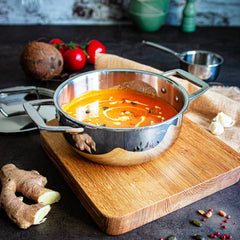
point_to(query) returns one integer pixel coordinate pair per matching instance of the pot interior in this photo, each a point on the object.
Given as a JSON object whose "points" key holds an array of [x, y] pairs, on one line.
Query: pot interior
{"points": [[146, 82], [203, 58]]}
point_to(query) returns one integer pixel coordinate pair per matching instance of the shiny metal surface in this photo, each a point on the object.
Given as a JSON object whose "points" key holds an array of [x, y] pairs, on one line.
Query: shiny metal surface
{"points": [[39, 121], [120, 146], [125, 146], [202, 64], [13, 118]]}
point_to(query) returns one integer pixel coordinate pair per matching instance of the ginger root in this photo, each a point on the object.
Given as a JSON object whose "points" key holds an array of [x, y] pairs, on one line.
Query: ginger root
{"points": [[31, 185]]}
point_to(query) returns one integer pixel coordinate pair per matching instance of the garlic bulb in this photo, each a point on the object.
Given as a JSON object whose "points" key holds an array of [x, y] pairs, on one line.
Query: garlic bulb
{"points": [[216, 127], [224, 119]]}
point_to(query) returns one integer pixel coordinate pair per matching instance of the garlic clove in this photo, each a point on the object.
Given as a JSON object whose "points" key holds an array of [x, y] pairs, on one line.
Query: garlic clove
{"points": [[216, 119], [216, 128], [225, 120]]}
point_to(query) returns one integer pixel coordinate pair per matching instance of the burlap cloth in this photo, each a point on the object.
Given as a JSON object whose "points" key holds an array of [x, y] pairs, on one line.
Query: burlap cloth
{"points": [[202, 109]]}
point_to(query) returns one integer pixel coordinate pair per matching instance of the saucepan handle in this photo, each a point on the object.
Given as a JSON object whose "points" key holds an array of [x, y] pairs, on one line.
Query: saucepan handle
{"points": [[191, 78], [38, 120]]}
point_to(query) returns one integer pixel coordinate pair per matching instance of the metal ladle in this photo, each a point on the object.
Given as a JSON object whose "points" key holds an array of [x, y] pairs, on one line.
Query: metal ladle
{"points": [[202, 64]]}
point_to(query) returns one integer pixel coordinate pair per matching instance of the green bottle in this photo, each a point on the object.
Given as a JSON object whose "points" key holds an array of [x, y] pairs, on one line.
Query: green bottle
{"points": [[189, 17]]}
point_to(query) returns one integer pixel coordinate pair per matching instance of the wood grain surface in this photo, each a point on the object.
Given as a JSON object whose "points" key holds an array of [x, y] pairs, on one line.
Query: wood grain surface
{"points": [[120, 199]]}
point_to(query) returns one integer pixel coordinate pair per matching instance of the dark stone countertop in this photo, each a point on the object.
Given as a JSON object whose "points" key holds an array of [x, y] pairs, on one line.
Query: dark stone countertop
{"points": [[68, 219]]}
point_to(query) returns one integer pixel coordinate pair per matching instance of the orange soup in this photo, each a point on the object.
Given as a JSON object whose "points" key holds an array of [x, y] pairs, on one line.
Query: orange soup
{"points": [[119, 108]]}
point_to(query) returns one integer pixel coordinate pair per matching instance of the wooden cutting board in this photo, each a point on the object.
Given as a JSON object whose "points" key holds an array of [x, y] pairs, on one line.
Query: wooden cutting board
{"points": [[120, 199]]}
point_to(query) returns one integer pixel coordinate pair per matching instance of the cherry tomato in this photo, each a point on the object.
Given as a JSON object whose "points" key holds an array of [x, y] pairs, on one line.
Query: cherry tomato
{"points": [[77, 46], [71, 45], [94, 47], [58, 44], [74, 59], [56, 41]]}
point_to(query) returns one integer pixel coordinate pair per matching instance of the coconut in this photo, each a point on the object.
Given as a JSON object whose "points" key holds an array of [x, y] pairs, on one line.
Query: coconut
{"points": [[41, 61]]}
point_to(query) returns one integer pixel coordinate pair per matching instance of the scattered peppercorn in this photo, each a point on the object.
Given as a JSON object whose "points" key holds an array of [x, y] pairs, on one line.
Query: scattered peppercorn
{"points": [[209, 213], [87, 111], [213, 235], [225, 236], [197, 223], [201, 212], [222, 213], [172, 237], [198, 237]]}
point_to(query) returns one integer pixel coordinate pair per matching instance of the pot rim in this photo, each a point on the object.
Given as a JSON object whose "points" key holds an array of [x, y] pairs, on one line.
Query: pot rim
{"points": [[183, 54], [65, 83]]}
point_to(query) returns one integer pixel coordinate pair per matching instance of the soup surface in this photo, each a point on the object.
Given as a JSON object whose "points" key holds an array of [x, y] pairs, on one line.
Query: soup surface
{"points": [[119, 108]]}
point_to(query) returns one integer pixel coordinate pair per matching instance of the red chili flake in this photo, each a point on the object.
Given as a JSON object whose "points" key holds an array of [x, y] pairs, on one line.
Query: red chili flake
{"points": [[211, 210], [214, 236], [218, 233], [228, 216], [230, 237], [160, 238], [225, 220], [221, 223], [211, 235], [234, 223], [204, 219], [224, 226]]}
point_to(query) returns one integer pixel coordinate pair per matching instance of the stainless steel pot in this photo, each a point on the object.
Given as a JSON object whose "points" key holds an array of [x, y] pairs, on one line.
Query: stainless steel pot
{"points": [[202, 64], [120, 146]]}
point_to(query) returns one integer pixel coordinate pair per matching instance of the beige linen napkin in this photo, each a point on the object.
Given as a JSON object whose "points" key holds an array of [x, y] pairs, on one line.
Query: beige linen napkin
{"points": [[202, 109]]}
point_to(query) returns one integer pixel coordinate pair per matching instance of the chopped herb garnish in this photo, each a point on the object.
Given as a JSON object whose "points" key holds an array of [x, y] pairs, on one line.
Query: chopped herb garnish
{"points": [[133, 103], [87, 111], [105, 108], [150, 111], [102, 125]]}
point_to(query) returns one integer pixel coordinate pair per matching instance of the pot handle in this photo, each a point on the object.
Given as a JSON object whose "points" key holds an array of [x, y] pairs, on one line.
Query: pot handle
{"points": [[191, 78], [38, 120]]}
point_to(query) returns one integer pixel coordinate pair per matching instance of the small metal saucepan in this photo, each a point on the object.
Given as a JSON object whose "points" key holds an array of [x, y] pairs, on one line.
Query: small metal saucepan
{"points": [[120, 146], [202, 64]]}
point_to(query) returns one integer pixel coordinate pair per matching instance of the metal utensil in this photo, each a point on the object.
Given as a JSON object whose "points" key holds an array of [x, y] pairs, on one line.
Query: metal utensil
{"points": [[202, 64], [13, 118], [120, 146]]}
